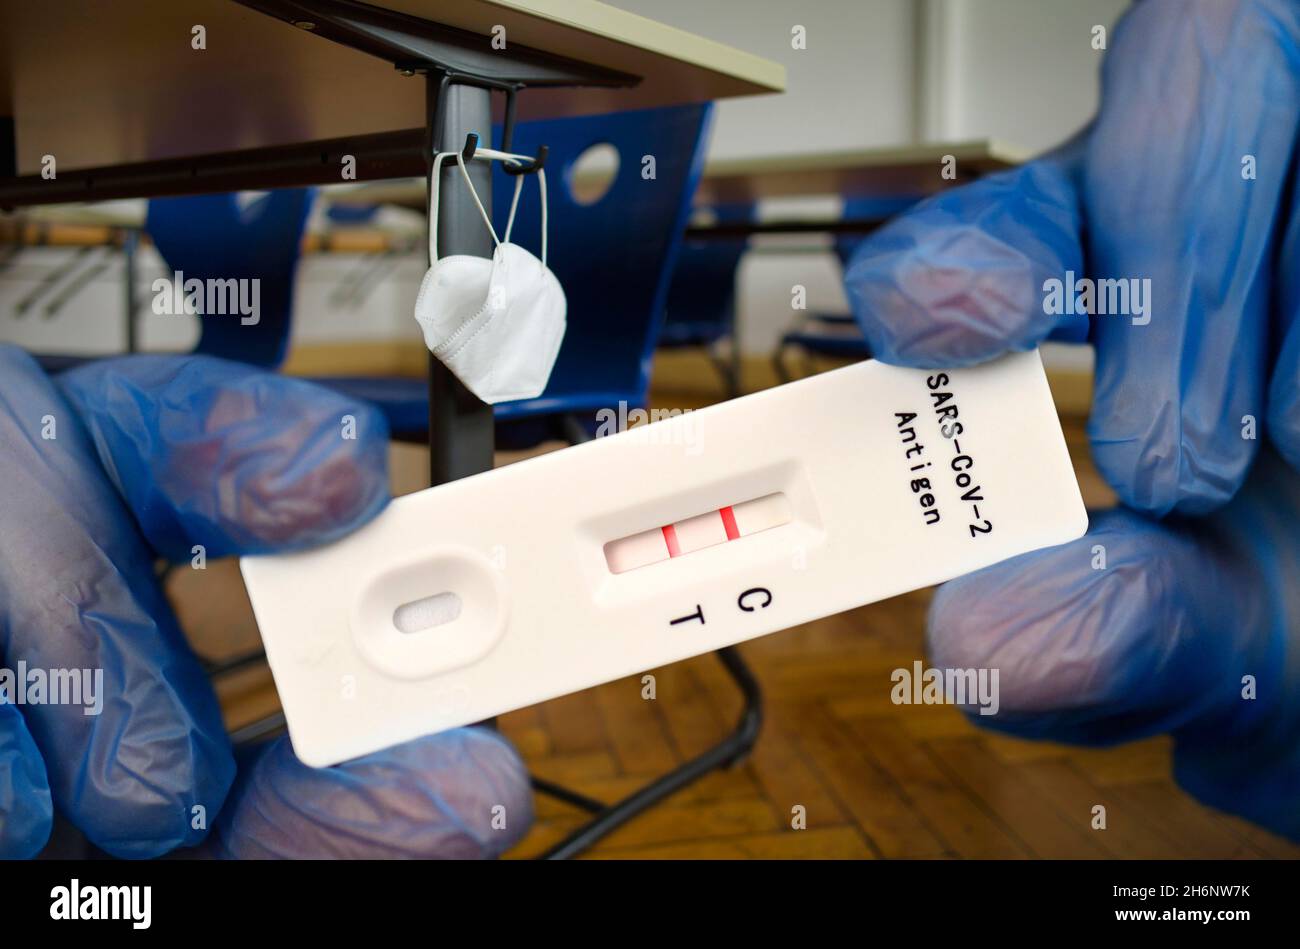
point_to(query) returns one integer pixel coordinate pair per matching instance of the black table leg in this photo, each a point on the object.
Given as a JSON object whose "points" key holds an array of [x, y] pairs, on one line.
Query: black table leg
{"points": [[130, 245], [461, 432]]}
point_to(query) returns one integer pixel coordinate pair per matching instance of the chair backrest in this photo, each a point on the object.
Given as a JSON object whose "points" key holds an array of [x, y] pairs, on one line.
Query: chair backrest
{"points": [[218, 238], [615, 257], [702, 296]]}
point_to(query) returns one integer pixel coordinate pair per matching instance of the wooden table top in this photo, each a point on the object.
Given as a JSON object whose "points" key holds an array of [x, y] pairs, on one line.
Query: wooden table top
{"points": [[871, 172], [99, 83]]}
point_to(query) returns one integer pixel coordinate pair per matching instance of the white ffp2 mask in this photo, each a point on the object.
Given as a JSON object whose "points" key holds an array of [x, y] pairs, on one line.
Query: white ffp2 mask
{"points": [[496, 323]]}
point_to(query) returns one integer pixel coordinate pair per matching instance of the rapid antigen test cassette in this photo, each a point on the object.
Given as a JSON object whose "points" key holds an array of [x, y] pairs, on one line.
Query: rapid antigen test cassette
{"points": [[668, 540]]}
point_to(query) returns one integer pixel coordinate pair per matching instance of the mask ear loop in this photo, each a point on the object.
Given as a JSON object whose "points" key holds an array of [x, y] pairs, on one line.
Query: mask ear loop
{"points": [[517, 161], [435, 187], [514, 203], [541, 185], [514, 206]]}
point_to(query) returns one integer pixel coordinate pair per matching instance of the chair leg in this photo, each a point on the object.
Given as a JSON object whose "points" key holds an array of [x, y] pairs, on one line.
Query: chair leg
{"points": [[728, 367], [778, 362], [731, 751], [574, 430], [737, 387]]}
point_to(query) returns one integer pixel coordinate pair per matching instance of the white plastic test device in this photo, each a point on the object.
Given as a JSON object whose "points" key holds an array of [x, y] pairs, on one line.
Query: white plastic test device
{"points": [[668, 540]]}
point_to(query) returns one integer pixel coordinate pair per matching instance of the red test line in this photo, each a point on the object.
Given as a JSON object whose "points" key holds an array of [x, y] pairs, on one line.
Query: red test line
{"points": [[729, 522], [670, 538]]}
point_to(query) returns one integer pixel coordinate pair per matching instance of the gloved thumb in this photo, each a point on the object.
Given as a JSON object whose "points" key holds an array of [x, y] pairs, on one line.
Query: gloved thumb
{"points": [[231, 457], [959, 278], [1135, 629], [1142, 627]]}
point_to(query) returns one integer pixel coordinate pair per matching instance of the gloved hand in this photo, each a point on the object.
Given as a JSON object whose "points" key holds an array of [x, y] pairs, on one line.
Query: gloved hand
{"points": [[1187, 178], [122, 461]]}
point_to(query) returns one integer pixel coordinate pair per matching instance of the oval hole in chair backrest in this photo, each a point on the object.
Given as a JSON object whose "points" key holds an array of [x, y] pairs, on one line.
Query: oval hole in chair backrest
{"points": [[590, 176]]}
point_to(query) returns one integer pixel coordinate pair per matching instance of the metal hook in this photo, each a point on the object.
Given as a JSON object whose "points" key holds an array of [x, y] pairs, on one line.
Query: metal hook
{"points": [[507, 128], [511, 167], [535, 164]]}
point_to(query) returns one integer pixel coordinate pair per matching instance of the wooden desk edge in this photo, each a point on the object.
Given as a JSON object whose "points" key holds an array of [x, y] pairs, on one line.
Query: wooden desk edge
{"points": [[632, 29]]}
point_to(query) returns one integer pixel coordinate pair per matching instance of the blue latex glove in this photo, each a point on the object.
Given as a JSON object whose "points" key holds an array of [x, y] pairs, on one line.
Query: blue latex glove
{"points": [[1158, 640], [151, 456]]}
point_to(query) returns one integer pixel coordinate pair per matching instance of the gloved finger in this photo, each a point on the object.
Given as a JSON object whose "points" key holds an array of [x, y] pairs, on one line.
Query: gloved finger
{"points": [[1247, 759], [1257, 780], [960, 278], [132, 739], [459, 794], [1135, 629], [26, 814], [1175, 221], [230, 457]]}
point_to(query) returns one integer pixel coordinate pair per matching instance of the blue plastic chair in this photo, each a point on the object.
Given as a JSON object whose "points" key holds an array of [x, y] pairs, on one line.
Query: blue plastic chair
{"points": [[836, 335], [701, 309], [210, 236], [613, 257]]}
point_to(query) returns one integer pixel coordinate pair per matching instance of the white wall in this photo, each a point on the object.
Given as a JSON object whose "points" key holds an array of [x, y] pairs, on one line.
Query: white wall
{"points": [[888, 72], [851, 88], [1023, 71]]}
